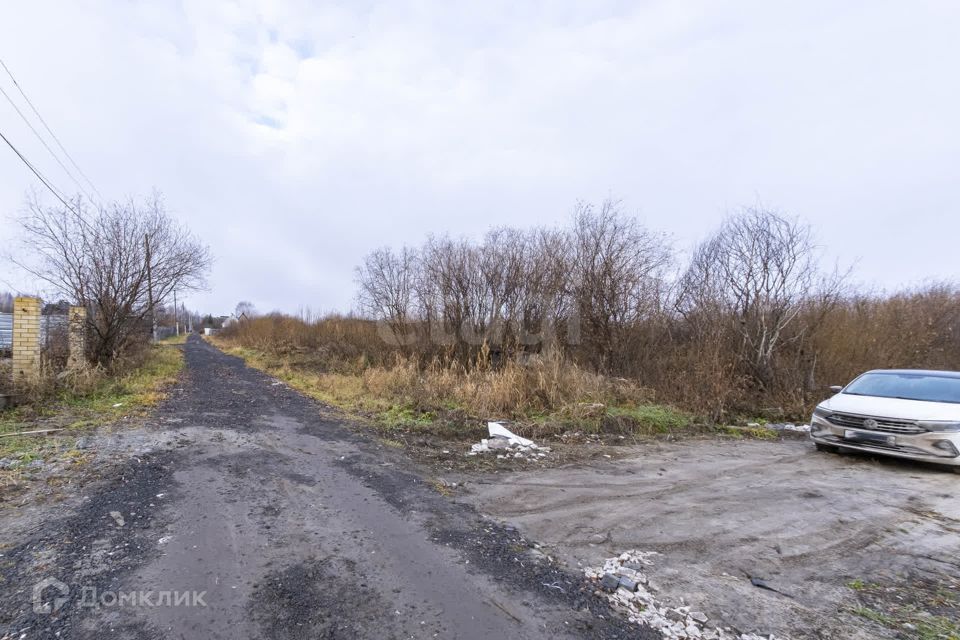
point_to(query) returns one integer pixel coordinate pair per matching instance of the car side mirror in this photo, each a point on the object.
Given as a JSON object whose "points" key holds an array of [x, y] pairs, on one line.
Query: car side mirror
{"points": [[836, 388]]}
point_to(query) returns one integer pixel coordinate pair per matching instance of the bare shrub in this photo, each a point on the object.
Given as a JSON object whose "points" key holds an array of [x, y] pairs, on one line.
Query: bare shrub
{"points": [[387, 280], [751, 292], [916, 328], [331, 343]]}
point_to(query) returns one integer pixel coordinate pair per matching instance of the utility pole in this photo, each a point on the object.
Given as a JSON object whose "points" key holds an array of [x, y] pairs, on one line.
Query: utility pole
{"points": [[176, 312], [153, 313]]}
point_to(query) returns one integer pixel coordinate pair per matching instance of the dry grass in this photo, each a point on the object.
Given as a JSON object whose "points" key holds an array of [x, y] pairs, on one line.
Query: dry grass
{"points": [[546, 392], [91, 398], [543, 384], [344, 361]]}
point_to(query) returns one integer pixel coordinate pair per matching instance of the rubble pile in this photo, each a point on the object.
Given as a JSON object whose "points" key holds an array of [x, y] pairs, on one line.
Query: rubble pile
{"points": [[507, 444], [802, 428], [629, 590], [782, 426]]}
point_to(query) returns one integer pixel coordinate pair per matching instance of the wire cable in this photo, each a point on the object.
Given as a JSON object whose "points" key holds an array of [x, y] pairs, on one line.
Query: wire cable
{"points": [[46, 146], [37, 173], [50, 131]]}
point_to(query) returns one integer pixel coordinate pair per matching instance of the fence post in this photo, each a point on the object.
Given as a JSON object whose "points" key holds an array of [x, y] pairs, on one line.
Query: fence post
{"points": [[26, 340], [77, 338]]}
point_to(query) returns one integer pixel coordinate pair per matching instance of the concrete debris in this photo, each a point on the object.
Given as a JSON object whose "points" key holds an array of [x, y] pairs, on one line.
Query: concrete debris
{"points": [[628, 589], [118, 518], [497, 430], [629, 584], [789, 426], [507, 444], [609, 582]]}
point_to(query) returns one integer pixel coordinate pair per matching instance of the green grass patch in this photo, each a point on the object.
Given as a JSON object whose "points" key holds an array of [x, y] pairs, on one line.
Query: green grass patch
{"points": [[653, 417], [405, 417], [857, 585], [918, 609], [936, 628], [874, 616], [756, 433], [102, 400], [922, 627]]}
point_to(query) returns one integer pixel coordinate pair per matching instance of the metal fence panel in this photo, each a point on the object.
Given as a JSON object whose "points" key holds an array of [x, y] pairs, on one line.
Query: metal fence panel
{"points": [[6, 331]]}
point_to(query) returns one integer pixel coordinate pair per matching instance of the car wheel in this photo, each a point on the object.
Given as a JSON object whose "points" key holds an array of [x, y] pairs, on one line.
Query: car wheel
{"points": [[827, 448]]}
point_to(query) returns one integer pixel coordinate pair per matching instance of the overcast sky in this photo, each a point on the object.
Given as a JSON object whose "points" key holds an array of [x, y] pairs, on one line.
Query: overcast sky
{"points": [[295, 136]]}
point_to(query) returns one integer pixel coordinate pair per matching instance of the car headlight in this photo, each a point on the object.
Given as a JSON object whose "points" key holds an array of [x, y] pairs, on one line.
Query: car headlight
{"points": [[939, 425], [820, 412]]}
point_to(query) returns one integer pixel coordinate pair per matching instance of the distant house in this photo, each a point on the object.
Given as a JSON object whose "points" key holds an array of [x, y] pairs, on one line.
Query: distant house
{"points": [[234, 319]]}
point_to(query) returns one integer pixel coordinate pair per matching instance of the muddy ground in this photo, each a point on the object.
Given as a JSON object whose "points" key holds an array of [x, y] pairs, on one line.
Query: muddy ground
{"points": [[242, 509], [862, 548]]}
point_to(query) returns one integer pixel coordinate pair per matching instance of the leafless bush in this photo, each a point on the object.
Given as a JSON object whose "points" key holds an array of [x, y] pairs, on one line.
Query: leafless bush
{"points": [[752, 292], [616, 279], [121, 262]]}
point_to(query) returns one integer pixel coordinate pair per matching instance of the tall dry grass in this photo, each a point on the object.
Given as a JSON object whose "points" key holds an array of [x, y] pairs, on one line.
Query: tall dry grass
{"points": [[541, 385], [344, 361]]}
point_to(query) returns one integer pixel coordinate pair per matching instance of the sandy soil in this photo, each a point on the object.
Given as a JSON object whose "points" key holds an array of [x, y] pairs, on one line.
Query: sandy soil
{"points": [[838, 533]]}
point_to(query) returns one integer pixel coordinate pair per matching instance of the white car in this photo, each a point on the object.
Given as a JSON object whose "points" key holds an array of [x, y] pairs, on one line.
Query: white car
{"points": [[904, 413]]}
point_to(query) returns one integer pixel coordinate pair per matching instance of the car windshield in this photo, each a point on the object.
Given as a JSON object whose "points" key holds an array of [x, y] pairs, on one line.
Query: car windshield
{"points": [[907, 386]]}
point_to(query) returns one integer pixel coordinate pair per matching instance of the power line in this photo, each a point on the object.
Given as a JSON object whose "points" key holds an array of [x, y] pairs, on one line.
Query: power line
{"points": [[50, 131], [37, 173], [44, 143]]}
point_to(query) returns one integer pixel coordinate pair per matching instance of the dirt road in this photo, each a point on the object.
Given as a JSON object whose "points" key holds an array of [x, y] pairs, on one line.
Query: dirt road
{"points": [[863, 548], [245, 510]]}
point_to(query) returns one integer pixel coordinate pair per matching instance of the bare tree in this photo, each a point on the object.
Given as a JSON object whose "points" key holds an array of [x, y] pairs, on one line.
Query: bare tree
{"points": [[759, 271], [245, 308], [617, 275], [450, 291], [544, 300], [386, 281], [122, 262]]}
